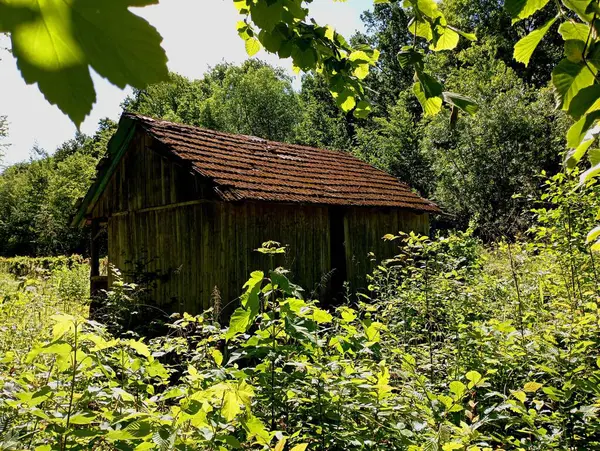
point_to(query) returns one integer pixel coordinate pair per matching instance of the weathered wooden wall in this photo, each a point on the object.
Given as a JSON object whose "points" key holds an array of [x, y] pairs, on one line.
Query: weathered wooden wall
{"points": [[212, 244], [364, 229], [146, 179], [161, 214]]}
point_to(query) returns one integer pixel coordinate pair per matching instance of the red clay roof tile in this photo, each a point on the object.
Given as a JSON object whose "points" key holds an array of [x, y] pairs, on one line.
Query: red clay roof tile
{"points": [[250, 168]]}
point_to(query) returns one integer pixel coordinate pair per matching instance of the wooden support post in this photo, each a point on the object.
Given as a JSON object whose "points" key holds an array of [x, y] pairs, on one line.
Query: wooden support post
{"points": [[94, 251]]}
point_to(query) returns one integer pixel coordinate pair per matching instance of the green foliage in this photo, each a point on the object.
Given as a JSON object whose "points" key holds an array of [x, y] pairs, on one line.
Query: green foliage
{"points": [[455, 347], [574, 78], [320, 122], [486, 159], [393, 143], [38, 198], [55, 44], [254, 99]]}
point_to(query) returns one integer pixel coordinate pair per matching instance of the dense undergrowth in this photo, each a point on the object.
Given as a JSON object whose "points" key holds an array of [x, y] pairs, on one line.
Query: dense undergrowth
{"points": [[457, 346]]}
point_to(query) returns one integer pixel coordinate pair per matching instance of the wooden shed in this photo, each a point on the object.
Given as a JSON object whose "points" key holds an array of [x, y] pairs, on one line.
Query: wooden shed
{"points": [[194, 204]]}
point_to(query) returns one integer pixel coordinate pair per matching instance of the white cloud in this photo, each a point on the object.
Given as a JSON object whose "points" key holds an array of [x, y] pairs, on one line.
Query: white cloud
{"points": [[197, 34]]}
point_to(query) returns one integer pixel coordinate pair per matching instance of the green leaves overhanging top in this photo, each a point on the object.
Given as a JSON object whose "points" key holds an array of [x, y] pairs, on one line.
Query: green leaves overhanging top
{"points": [[56, 42], [525, 47]]}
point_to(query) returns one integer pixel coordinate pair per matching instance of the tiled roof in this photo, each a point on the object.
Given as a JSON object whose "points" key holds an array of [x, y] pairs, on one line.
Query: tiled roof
{"points": [[249, 168]]}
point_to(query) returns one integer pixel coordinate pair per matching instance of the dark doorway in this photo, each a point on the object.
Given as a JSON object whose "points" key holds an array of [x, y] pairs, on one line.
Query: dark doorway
{"points": [[338, 253]]}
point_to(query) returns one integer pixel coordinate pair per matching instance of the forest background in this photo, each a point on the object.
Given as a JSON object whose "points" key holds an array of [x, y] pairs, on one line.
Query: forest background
{"points": [[483, 170]]}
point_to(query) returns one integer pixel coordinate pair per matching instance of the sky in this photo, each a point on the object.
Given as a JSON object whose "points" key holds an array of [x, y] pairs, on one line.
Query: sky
{"points": [[197, 34]]}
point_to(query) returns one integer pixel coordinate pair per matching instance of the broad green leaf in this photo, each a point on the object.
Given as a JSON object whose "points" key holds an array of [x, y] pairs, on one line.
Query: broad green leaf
{"points": [[239, 322], [361, 71], [589, 175], [409, 57], [432, 105], [266, 14], [531, 387], [241, 6], [280, 444], [243, 30], [329, 32], [574, 31], [575, 155], [474, 377], [580, 7], [428, 8], [271, 41], [56, 48], [362, 110], [231, 405], [521, 9], [464, 103], [137, 429], [250, 297], [359, 56], [574, 50], [448, 40], [568, 79], [13, 15], [586, 101], [583, 129], [521, 396], [526, 46], [82, 418], [593, 234], [217, 356], [458, 389], [420, 28], [252, 46], [470, 36], [345, 100], [118, 44], [139, 347], [430, 86], [305, 59], [63, 324], [303, 446], [256, 429], [321, 316], [593, 155], [452, 446]]}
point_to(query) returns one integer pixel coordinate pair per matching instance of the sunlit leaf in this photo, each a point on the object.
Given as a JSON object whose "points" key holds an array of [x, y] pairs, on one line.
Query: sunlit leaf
{"points": [[521, 9], [448, 40], [432, 105], [464, 103], [252, 46], [568, 79], [574, 31], [526, 46], [586, 101], [56, 48]]}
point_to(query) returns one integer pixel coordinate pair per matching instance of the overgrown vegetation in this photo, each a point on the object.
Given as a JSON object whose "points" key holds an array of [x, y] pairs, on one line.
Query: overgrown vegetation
{"points": [[456, 347], [482, 339]]}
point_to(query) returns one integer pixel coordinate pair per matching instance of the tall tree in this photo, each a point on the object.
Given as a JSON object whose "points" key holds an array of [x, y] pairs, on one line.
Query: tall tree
{"points": [[386, 30], [392, 142], [253, 98], [492, 22], [321, 123], [38, 198], [482, 161]]}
